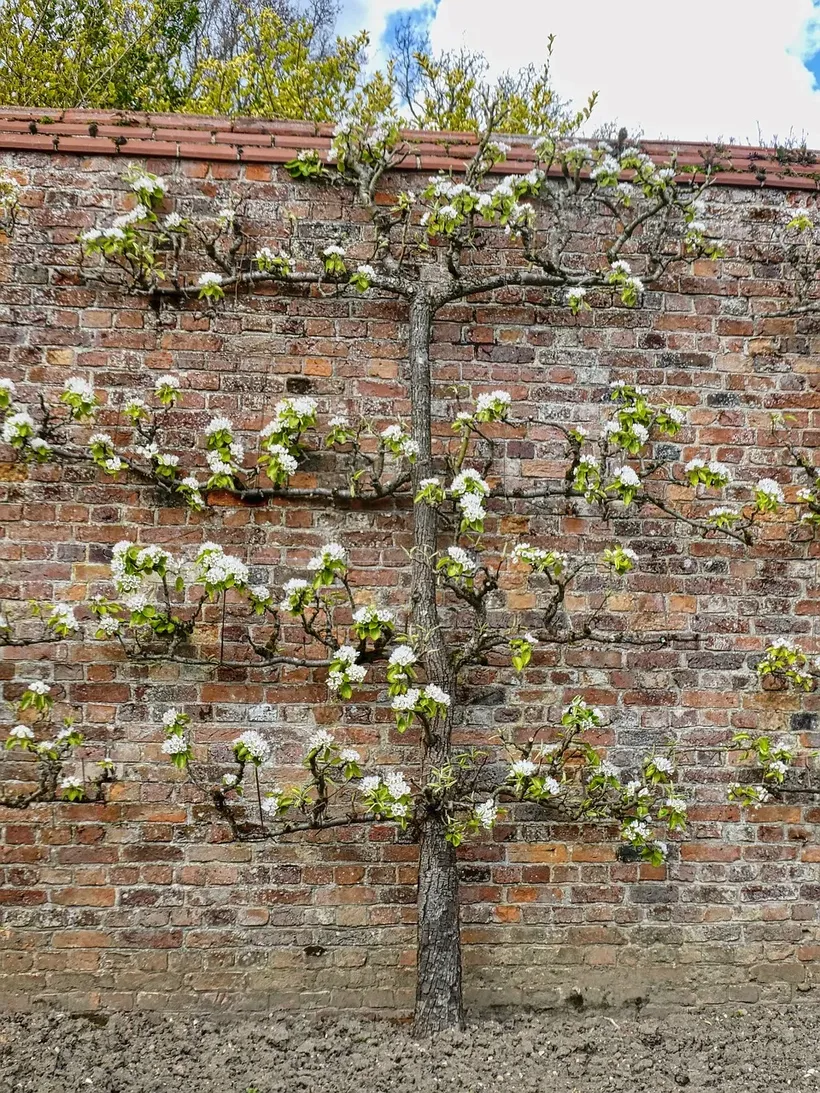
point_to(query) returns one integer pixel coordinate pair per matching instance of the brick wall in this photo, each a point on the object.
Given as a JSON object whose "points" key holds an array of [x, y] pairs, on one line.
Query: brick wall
{"points": [[145, 902]]}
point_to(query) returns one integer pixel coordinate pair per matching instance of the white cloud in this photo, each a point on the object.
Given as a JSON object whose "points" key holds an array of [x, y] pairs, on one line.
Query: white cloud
{"points": [[705, 69], [372, 16]]}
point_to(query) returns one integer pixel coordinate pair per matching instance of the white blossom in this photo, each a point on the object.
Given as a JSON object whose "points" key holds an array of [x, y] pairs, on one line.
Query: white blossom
{"points": [[403, 655], [771, 489], [349, 755], [63, 615], [437, 694], [607, 166], [136, 215], [487, 813], [255, 744], [523, 768], [16, 424], [335, 680], [469, 481], [286, 461], [304, 406], [462, 558], [138, 602], [71, 781], [331, 552], [37, 687], [171, 382], [661, 763], [406, 701], [175, 745], [471, 507], [373, 613], [295, 584], [627, 476], [320, 740], [216, 566], [636, 831], [21, 732], [397, 785], [486, 401], [77, 386], [216, 464], [209, 278], [370, 783], [145, 182], [270, 803], [219, 424], [677, 804]]}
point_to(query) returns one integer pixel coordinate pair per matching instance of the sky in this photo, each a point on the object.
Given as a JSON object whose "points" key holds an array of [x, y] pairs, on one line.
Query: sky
{"points": [[742, 70]]}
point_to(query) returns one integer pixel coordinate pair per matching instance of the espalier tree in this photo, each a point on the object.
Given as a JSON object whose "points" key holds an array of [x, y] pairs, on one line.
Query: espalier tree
{"points": [[428, 249]]}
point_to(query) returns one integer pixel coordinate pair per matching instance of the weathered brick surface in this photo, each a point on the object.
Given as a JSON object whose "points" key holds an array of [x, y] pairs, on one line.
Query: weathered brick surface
{"points": [[146, 903]]}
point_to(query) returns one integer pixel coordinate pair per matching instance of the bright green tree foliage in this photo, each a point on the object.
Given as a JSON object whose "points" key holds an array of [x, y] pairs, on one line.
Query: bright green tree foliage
{"points": [[257, 58], [121, 54], [277, 72]]}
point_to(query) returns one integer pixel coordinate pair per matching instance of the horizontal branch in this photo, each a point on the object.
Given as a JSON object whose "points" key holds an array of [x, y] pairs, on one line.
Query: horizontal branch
{"points": [[210, 662]]}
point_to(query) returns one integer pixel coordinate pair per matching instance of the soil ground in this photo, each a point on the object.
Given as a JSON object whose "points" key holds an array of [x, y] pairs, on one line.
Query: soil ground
{"points": [[731, 1050]]}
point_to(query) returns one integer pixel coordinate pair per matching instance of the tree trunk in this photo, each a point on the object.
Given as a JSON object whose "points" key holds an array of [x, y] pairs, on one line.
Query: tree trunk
{"points": [[438, 988]]}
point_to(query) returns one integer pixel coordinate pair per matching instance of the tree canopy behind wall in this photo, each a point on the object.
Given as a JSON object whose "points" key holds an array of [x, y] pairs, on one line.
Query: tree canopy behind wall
{"points": [[251, 58]]}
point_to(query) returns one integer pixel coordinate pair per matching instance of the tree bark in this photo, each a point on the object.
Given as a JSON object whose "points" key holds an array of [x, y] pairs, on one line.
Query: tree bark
{"points": [[438, 988], [425, 519], [438, 985]]}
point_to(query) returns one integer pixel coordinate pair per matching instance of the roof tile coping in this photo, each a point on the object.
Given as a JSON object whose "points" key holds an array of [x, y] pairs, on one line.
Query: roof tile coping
{"points": [[195, 136]]}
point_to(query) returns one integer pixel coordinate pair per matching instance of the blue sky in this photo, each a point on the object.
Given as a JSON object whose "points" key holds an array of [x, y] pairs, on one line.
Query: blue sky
{"points": [[706, 69]]}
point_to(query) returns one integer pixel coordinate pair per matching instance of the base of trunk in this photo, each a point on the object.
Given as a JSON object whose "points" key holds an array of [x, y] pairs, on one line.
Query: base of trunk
{"points": [[438, 992]]}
